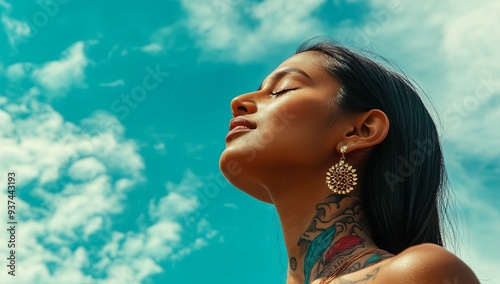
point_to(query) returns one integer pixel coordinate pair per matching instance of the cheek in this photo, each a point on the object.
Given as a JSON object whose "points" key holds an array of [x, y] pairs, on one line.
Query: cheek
{"points": [[299, 143], [294, 131]]}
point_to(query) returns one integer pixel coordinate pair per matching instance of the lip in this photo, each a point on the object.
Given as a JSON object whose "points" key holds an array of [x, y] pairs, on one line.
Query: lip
{"points": [[239, 125]]}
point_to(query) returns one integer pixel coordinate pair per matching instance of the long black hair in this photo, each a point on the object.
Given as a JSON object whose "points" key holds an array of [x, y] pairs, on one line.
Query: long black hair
{"points": [[404, 178]]}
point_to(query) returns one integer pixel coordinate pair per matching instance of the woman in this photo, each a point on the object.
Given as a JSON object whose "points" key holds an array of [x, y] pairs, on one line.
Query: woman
{"points": [[349, 155]]}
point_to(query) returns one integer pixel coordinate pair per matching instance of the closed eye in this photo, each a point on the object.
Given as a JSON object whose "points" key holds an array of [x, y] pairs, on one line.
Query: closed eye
{"points": [[278, 93]]}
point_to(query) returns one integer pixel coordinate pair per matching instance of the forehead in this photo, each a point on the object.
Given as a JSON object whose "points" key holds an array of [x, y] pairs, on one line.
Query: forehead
{"points": [[308, 61]]}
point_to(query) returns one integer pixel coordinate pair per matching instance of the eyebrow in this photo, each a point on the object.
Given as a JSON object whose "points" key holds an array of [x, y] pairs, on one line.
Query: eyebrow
{"points": [[283, 72]]}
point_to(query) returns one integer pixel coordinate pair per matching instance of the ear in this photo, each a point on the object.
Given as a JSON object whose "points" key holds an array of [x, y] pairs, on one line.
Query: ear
{"points": [[367, 130]]}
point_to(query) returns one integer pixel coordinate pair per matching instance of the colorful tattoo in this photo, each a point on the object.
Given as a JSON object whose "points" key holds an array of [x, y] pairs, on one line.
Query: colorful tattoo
{"points": [[353, 267], [293, 263], [316, 249], [331, 222], [374, 259], [368, 276], [342, 245]]}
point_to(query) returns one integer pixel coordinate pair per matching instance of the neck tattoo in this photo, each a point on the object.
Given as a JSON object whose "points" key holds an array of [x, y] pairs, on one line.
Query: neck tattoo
{"points": [[333, 236]]}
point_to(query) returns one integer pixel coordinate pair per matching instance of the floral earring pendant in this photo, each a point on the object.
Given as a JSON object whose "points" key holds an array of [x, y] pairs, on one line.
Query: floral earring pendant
{"points": [[341, 177]]}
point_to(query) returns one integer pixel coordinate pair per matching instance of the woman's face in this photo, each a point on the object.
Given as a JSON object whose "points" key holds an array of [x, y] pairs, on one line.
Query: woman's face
{"points": [[282, 127]]}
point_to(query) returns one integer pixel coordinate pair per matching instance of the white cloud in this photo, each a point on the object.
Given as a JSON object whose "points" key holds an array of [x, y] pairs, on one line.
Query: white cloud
{"points": [[116, 83], [160, 148], [163, 239], [86, 169], [5, 5], [223, 31], [92, 226], [231, 205], [18, 70], [161, 40], [43, 149], [192, 148], [17, 31], [173, 204], [75, 179], [6, 122], [58, 76], [153, 48]]}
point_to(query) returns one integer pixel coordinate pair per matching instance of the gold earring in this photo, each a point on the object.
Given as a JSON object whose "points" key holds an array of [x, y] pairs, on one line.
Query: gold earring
{"points": [[341, 177]]}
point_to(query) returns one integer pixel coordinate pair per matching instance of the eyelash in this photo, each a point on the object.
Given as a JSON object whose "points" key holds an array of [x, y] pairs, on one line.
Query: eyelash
{"points": [[279, 93]]}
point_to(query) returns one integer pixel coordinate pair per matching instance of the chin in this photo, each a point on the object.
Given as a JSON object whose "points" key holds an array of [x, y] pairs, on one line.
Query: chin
{"points": [[237, 174]]}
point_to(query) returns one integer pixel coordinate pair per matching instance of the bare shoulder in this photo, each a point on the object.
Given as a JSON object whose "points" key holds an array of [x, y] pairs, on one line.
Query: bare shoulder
{"points": [[426, 263], [420, 264]]}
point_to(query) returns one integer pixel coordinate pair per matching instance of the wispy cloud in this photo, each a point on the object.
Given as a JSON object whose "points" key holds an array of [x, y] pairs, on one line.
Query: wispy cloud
{"points": [[160, 41], [5, 5], [243, 31], [54, 78], [17, 31], [152, 48], [60, 75], [18, 71], [452, 53], [477, 221], [115, 83]]}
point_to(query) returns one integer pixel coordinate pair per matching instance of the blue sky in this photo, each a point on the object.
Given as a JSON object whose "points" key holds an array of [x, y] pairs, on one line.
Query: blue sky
{"points": [[113, 116]]}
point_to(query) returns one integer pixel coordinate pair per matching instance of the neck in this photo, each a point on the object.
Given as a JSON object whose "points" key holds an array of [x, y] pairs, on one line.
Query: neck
{"points": [[321, 230]]}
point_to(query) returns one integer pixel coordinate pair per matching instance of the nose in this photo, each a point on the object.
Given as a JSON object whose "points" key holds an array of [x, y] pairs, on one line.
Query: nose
{"points": [[242, 105]]}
